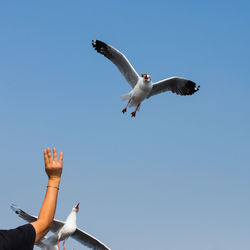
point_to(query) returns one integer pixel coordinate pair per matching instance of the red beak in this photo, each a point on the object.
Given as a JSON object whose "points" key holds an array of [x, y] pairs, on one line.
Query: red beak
{"points": [[146, 77], [77, 206]]}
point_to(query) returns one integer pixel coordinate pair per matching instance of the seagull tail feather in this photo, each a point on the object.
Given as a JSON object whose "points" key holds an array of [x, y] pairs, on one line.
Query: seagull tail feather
{"points": [[125, 97]]}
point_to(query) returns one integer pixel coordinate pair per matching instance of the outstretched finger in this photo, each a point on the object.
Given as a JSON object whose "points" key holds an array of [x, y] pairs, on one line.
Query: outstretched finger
{"points": [[49, 155], [55, 155], [46, 160], [61, 158]]}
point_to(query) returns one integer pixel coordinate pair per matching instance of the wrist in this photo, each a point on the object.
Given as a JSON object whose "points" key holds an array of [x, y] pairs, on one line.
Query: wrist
{"points": [[54, 181]]}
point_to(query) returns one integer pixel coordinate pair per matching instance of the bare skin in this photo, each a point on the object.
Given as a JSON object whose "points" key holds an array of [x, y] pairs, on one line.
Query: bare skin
{"points": [[53, 169]]}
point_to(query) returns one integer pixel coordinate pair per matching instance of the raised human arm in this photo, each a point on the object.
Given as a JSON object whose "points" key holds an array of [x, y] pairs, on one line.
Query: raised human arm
{"points": [[53, 168]]}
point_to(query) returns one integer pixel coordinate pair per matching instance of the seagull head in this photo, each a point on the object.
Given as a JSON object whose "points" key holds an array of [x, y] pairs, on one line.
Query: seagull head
{"points": [[147, 78], [76, 207]]}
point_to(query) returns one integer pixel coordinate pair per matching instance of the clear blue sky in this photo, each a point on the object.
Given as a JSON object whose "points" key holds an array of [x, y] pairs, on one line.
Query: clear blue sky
{"points": [[174, 178]]}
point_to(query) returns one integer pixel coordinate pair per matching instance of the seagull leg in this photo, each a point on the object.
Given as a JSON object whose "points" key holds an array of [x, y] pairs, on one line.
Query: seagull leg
{"points": [[137, 107], [64, 245], [58, 245], [125, 109]]}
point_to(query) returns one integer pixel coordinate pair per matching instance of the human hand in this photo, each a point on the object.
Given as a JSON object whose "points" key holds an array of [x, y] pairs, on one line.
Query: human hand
{"points": [[53, 166]]}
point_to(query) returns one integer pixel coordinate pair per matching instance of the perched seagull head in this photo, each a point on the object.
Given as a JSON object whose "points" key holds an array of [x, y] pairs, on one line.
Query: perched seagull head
{"points": [[76, 207], [147, 78]]}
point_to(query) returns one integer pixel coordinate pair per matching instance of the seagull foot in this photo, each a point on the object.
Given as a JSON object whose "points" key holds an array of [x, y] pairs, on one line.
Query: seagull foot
{"points": [[124, 110], [63, 246], [58, 245], [133, 114]]}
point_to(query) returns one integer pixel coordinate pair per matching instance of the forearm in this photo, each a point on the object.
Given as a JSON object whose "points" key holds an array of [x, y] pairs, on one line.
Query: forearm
{"points": [[46, 215], [49, 204]]}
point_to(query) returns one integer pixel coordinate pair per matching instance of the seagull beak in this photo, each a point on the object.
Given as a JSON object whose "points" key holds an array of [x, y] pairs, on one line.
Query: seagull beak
{"points": [[77, 206], [146, 77]]}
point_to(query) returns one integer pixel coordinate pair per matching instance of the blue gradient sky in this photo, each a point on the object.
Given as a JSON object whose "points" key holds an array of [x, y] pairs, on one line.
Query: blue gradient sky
{"points": [[174, 178]]}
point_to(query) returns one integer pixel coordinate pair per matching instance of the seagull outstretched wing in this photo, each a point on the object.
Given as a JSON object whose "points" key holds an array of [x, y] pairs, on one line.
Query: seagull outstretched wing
{"points": [[44, 246], [119, 60], [178, 85], [56, 225], [25, 216], [88, 240]]}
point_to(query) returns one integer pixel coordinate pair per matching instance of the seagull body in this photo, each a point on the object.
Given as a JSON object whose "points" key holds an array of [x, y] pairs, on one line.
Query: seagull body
{"points": [[62, 231], [142, 86], [139, 92], [65, 231]]}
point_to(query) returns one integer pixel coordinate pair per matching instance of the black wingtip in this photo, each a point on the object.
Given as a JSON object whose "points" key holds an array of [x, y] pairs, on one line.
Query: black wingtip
{"points": [[193, 85], [197, 87], [99, 45], [93, 43], [15, 208], [190, 88]]}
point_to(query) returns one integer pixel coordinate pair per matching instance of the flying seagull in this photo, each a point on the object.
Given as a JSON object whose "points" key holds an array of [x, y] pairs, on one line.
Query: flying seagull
{"points": [[62, 231], [142, 86]]}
